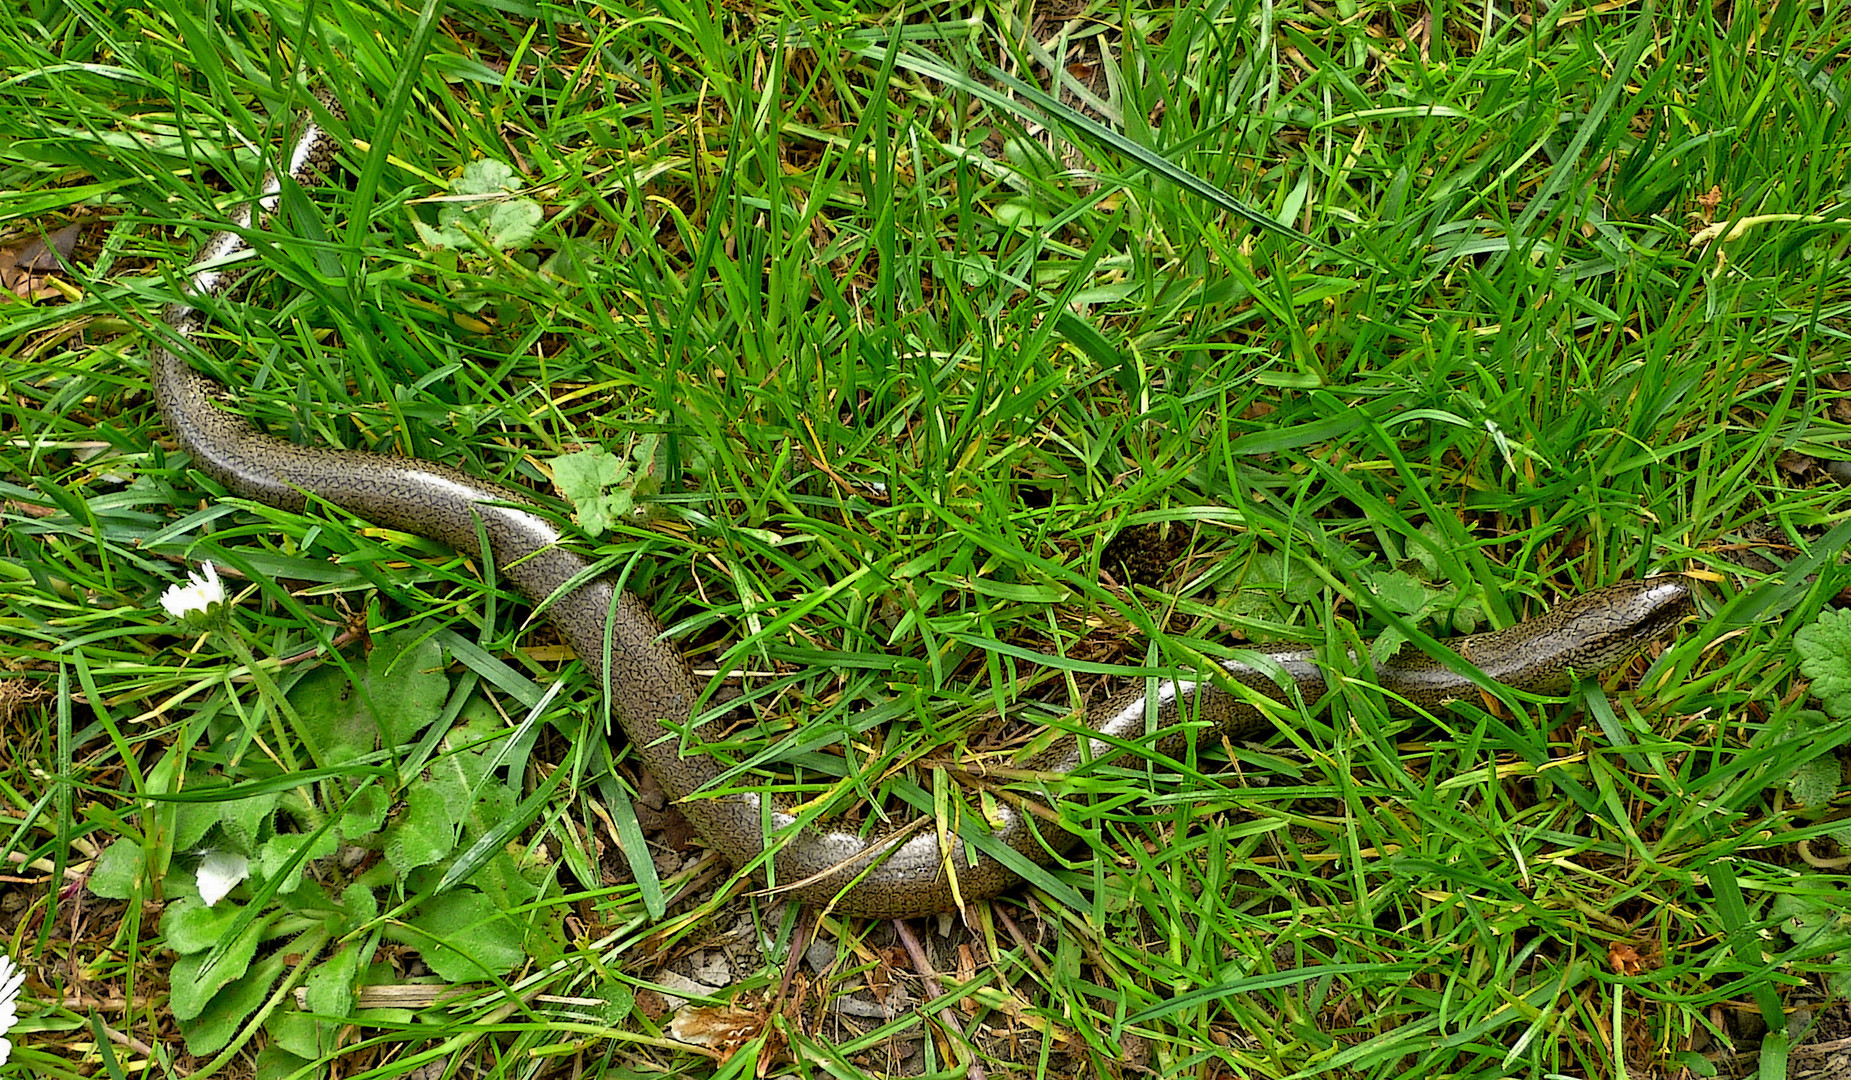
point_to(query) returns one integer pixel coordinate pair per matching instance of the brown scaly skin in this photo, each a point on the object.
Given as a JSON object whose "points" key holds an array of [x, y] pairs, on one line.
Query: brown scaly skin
{"points": [[649, 684]]}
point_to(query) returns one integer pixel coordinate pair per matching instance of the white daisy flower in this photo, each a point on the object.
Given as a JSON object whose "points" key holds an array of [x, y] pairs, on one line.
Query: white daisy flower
{"points": [[11, 977], [218, 872], [199, 597]]}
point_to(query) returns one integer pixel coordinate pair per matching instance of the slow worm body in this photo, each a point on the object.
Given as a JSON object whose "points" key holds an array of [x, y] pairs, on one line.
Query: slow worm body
{"points": [[649, 684]]}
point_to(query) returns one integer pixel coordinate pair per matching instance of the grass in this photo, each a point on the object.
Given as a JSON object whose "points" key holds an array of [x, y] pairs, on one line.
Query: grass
{"points": [[899, 347]]}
